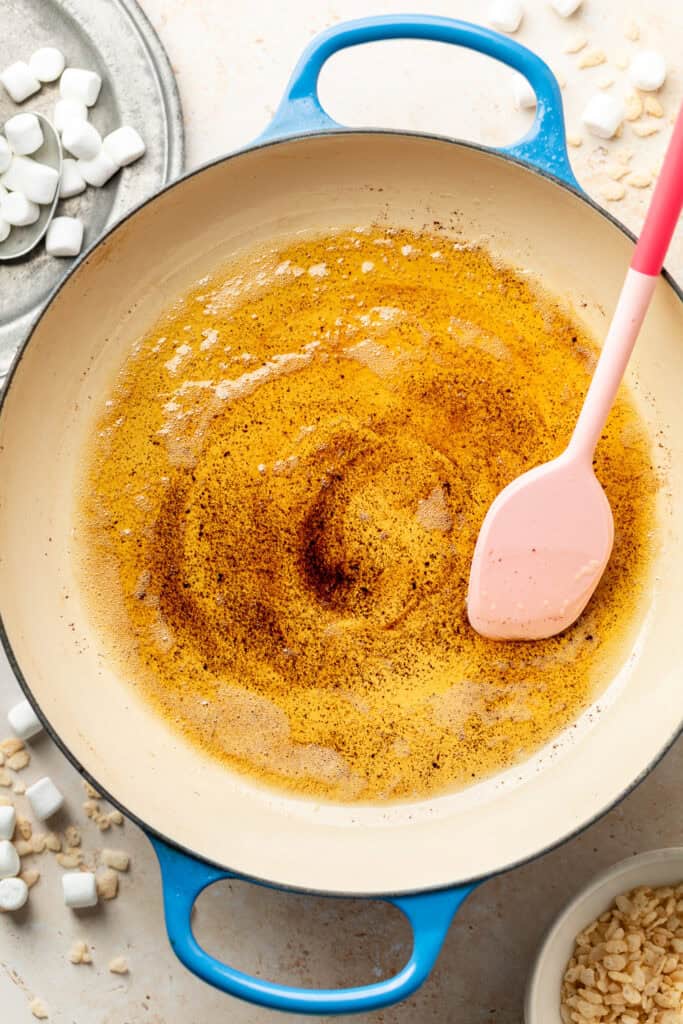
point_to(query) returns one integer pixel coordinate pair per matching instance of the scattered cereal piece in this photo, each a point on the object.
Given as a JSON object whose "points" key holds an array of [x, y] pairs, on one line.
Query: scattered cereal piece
{"points": [[12, 745], [603, 115], [24, 847], [38, 1009], [53, 842], [72, 836], [73, 859], [45, 798], [24, 827], [13, 894], [506, 15], [119, 965], [102, 821], [91, 791], [647, 70], [631, 30], [653, 107], [91, 808], [24, 721], [645, 128], [622, 60], [80, 953], [576, 43], [639, 180], [616, 171], [574, 139], [5, 778], [592, 59], [108, 884], [115, 859], [19, 787], [605, 81], [79, 889], [613, 191], [8, 820], [633, 106], [38, 842], [2, 756], [30, 876], [18, 761]]}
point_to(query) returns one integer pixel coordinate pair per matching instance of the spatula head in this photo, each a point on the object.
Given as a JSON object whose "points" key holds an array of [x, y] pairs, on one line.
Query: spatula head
{"points": [[541, 551]]}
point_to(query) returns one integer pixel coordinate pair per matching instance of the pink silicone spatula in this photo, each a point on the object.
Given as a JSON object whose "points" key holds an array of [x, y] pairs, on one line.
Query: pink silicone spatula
{"points": [[547, 537]]}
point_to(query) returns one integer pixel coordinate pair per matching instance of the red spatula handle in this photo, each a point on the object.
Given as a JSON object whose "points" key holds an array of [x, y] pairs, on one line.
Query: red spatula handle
{"points": [[665, 208]]}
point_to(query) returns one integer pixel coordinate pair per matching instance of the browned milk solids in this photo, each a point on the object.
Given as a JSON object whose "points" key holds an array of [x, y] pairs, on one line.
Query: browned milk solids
{"points": [[283, 498]]}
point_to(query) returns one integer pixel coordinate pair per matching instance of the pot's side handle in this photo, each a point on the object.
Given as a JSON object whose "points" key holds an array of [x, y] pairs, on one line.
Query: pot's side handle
{"points": [[184, 878], [544, 146]]}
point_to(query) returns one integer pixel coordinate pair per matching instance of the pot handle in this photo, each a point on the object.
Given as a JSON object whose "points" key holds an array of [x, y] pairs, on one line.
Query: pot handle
{"points": [[544, 145], [184, 878]]}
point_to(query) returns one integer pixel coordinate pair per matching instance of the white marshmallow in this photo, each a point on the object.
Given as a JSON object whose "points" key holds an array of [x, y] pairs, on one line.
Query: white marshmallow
{"points": [[68, 110], [64, 236], [99, 170], [565, 8], [80, 889], [82, 139], [23, 720], [647, 70], [506, 15], [45, 798], [19, 211], [8, 819], [71, 183], [602, 115], [79, 84], [19, 81], [24, 133], [47, 64], [5, 229], [5, 154], [13, 894], [524, 96], [37, 181], [10, 865], [124, 146]]}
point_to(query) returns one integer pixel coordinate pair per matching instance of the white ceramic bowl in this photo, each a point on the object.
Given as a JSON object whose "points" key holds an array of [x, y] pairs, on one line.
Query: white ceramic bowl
{"points": [[656, 867]]}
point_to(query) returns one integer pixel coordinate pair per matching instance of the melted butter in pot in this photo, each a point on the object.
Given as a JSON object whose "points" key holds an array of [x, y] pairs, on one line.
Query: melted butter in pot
{"points": [[283, 496]]}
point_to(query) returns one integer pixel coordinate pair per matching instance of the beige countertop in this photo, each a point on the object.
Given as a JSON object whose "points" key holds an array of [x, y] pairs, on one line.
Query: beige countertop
{"points": [[232, 60]]}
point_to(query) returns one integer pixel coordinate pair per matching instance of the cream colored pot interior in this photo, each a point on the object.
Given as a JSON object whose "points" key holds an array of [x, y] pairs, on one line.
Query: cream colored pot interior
{"points": [[314, 185]]}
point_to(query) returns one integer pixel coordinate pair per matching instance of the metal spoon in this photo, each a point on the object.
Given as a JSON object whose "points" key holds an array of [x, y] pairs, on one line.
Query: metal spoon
{"points": [[21, 241]]}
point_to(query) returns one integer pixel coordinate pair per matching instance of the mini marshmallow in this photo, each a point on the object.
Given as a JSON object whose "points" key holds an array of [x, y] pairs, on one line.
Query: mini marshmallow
{"points": [[10, 865], [647, 70], [8, 819], [5, 154], [23, 720], [45, 798], [19, 81], [524, 96], [37, 181], [47, 64], [602, 115], [565, 8], [79, 84], [124, 146], [13, 894], [66, 111], [99, 170], [64, 236], [5, 229], [506, 15], [19, 211], [80, 889], [24, 133], [71, 183], [82, 139]]}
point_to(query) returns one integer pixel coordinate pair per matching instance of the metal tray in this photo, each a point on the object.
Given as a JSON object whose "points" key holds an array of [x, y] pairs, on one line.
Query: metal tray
{"points": [[114, 38]]}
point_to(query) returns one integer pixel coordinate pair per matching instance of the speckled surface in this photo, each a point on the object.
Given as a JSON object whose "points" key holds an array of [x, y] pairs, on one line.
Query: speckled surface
{"points": [[232, 61]]}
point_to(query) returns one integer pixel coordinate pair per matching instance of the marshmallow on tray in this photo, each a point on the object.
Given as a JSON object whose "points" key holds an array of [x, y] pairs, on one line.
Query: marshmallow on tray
{"points": [[68, 110], [64, 236], [71, 183], [79, 84], [24, 133], [37, 181], [19, 211], [19, 81], [47, 64], [8, 819], [602, 115], [82, 139], [10, 865], [45, 798], [80, 889], [23, 720], [99, 170], [524, 95], [124, 146], [647, 70], [505, 15], [565, 8], [13, 894], [5, 229], [5, 154]]}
